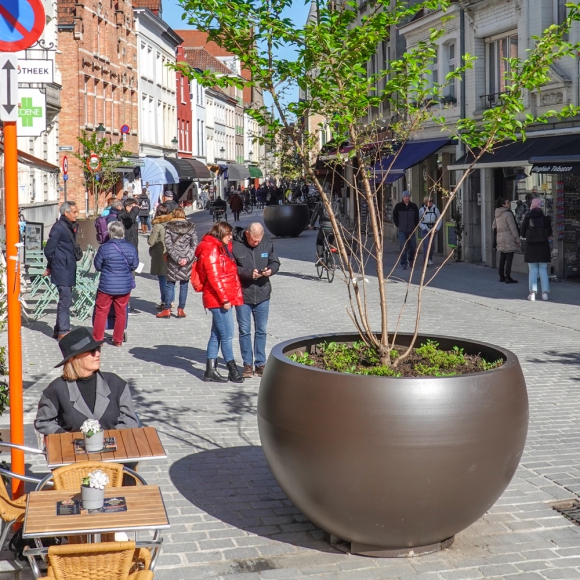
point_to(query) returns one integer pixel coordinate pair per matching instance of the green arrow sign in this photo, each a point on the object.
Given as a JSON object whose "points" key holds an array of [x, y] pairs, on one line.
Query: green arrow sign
{"points": [[27, 112]]}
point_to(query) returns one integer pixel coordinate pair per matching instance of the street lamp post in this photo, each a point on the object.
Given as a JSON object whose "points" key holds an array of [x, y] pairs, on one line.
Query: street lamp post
{"points": [[175, 142], [222, 152], [100, 131]]}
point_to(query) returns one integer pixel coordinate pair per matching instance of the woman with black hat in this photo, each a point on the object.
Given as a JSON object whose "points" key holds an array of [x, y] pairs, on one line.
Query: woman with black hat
{"points": [[84, 392]]}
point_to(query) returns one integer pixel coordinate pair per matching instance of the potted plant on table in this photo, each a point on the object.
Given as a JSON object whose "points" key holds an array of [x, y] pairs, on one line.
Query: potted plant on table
{"points": [[393, 442], [93, 490], [94, 436]]}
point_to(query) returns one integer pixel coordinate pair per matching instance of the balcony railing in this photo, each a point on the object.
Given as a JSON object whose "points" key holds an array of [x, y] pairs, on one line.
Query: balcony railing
{"points": [[492, 99]]}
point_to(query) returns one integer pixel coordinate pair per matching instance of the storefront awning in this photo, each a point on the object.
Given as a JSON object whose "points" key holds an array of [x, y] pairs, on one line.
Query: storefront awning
{"points": [[255, 172], [237, 172], [200, 171], [412, 153], [183, 168], [129, 164], [158, 171], [514, 153], [31, 161]]}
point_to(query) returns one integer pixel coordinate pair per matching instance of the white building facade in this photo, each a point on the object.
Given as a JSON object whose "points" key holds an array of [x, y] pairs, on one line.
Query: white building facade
{"points": [[156, 45], [198, 121]]}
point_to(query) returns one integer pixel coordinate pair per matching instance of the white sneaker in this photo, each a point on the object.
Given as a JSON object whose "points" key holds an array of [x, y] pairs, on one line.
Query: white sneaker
{"points": [[532, 296], [545, 296], [429, 262]]}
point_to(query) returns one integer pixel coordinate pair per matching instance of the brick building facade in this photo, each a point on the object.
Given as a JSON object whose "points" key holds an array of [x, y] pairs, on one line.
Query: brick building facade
{"points": [[98, 61], [185, 128]]}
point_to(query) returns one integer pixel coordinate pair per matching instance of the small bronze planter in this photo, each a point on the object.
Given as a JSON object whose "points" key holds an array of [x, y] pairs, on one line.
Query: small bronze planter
{"points": [[286, 220], [395, 466]]}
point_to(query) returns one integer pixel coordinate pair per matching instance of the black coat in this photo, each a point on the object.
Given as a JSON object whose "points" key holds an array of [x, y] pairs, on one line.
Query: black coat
{"points": [[536, 252], [249, 259], [129, 221], [60, 253], [406, 217], [144, 205]]}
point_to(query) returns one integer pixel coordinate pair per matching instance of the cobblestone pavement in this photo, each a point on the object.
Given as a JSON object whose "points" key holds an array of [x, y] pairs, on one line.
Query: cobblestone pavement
{"points": [[230, 520]]}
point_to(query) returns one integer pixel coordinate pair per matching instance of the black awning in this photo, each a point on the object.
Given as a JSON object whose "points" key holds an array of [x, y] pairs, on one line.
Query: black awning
{"points": [[237, 172], [200, 171], [183, 168], [513, 153]]}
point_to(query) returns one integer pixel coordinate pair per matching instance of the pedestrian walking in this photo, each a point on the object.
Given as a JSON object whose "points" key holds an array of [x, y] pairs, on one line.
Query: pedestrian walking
{"points": [[537, 231], [129, 217], [169, 201], [221, 290], [62, 254], [83, 391], [507, 239], [157, 250], [236, 205], [406, 218], [180, 244], [144, 210], [116, 260], [257, 262], [428, 215]]}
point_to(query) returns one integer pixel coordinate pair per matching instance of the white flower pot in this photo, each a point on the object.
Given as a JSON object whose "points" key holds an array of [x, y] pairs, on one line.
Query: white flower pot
{"points": [[92, 498], [95, 443]]}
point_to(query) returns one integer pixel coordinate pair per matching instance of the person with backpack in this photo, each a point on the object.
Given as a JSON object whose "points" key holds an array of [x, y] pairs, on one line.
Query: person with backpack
{"points": [[180, 244], [62, 253], [103, 221], [507, 239], [116, 260], [157, 250], [406, 218], [428, 215], [537, 231], [144, 210]]}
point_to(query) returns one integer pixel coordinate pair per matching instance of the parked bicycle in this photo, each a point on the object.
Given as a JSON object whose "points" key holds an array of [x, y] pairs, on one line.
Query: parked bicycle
{"points": [[248, 207], [327, 261]]}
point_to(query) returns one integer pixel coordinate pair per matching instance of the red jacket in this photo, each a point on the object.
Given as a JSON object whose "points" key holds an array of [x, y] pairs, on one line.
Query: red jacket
{"points": [[219, 272]]}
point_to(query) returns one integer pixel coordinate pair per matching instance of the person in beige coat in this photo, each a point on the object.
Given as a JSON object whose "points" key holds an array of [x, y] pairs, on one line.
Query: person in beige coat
{"points": [[157, 249], [507, 239]]}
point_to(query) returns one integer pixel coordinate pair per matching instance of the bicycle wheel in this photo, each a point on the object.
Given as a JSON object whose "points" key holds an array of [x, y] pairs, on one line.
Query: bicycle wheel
{"points": [[330, 266], [249, 209], [319, 268]]}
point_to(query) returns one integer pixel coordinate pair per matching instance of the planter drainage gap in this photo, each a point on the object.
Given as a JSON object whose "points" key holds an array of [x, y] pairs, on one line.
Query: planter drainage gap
{"points": [[377, 552], [569, 508]]}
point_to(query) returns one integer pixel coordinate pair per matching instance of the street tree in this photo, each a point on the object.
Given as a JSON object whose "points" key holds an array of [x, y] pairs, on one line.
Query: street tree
{"points": [[111, 157], [326, 59]]}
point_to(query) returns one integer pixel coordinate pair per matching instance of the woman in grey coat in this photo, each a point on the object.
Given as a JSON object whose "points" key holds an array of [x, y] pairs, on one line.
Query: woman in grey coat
{"points": [[157, 249], [180, 244]]}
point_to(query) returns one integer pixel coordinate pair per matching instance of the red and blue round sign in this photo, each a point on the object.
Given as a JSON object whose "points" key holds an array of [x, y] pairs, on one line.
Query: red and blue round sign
{"points": [[21, 24], [125, 129]]}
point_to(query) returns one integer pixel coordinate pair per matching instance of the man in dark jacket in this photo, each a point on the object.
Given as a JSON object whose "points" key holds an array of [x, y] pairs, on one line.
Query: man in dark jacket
{"points": [[128, 217], [61, 263], [144, 209], [256, 261], [406, 218], [169, 200]]}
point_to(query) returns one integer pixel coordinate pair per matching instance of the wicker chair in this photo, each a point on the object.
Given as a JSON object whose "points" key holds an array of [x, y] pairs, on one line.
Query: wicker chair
{"points": [[102, 561], [69, 477]]}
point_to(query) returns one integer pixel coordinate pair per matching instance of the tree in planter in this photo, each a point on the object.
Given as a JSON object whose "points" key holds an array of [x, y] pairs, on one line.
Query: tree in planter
{"points": [[329, 64], [110, 154]]}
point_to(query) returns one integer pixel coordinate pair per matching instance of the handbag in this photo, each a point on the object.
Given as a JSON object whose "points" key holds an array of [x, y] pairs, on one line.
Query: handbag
{"points": [[133, 283], [196, 281], [78, 251]]}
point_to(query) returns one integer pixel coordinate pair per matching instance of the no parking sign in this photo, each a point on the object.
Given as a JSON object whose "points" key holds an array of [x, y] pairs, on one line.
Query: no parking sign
{"points": [[21, 24]]}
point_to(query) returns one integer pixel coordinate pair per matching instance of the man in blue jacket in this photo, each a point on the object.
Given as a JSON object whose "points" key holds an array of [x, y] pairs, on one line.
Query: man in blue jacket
{"points": [[62, 264], [257, 262]]}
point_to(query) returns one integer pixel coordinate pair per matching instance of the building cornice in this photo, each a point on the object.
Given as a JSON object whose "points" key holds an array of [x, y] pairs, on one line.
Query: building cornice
{"points": [[160, 26]]}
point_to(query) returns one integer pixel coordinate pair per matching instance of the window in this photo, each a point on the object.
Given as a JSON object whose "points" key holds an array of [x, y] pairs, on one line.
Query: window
{"points": [[187, 147], [497, 51], [202, 141], [143, 59], [435, 71], [560, 11], [451, 65], [181, 89], [86, 101]]}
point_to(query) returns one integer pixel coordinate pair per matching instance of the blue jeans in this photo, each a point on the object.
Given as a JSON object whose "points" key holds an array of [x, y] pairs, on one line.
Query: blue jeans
{"points": [[222, 334], [410, 248], [145, 220], [162, 285], [539, 269], [423, 235], [259, 312], [170, 293]]}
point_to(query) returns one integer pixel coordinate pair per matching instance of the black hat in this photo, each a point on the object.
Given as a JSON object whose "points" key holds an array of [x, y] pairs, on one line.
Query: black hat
{"points": [[76, 342]]}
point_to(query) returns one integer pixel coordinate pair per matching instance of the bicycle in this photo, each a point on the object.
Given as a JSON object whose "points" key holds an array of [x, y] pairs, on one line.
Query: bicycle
{"points": [[219, 214], [248, 208], [326, 262]]}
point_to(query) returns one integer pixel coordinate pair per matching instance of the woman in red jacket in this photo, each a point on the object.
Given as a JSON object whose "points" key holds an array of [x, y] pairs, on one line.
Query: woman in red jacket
{"points": [[221, 290]]}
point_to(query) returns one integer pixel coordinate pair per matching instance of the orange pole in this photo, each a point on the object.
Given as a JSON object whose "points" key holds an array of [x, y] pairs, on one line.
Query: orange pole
{"points": [[13, 294]]}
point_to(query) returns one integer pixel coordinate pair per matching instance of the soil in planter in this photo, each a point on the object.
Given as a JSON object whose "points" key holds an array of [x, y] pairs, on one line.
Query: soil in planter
{"points": [[426, 360]]}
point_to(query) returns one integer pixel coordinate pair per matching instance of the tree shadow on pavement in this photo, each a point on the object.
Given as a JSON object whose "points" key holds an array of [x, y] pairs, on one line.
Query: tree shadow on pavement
{"points": [[176, 356], [563, 358], [240, 404], [235, 485]]}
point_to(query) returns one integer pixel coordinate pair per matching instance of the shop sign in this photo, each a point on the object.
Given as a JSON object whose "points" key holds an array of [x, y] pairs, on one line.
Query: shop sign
{"points": [[570, 168], [35, 71], [31, 113]]}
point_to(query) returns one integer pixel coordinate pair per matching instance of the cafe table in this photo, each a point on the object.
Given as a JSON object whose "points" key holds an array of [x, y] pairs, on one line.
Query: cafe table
{"points": [[145, 511], [133, 446]]}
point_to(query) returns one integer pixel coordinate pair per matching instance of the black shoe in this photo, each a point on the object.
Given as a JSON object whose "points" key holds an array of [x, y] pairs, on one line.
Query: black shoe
{"points": [[509, 280], [211, 374], [502, 278], [234, 376]]}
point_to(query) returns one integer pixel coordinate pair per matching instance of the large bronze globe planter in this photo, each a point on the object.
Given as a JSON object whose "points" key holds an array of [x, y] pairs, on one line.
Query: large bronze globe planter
{"points": [[395, 466], [286, 220]]}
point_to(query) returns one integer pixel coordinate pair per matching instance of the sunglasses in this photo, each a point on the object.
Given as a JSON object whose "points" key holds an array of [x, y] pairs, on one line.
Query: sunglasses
{"points": [[95, 351]]}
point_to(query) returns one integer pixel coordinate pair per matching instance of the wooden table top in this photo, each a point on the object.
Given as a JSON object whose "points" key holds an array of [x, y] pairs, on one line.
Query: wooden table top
{"points": [[145, 511], [133, 445]]}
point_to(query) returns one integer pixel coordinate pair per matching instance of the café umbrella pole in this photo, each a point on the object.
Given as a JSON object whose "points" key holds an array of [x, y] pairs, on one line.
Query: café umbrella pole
{"points": [[13, 300]]}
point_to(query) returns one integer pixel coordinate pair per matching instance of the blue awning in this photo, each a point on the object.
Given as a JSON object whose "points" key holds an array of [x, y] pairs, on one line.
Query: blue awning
{"points": [[412, 153], [158, 171]]}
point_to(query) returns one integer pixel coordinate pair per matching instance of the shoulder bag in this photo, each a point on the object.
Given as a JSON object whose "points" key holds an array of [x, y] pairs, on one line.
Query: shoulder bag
{"points": [[133, 283], [78, 251]]}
